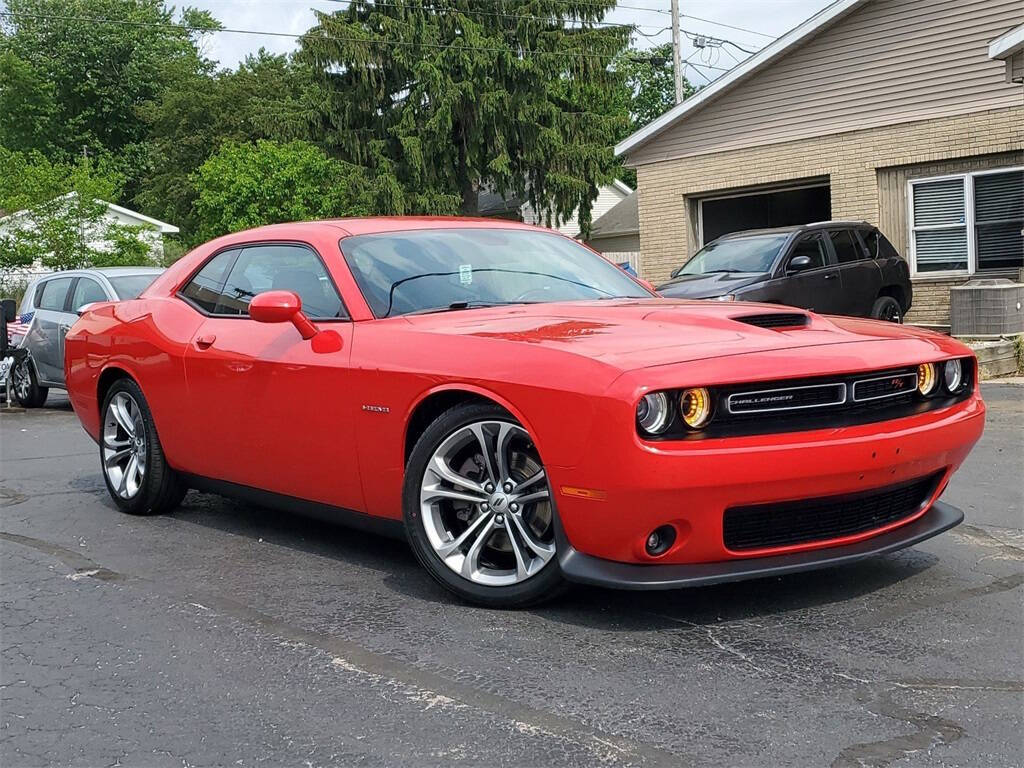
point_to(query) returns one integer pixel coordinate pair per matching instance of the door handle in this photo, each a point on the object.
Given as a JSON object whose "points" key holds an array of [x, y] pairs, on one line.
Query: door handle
{"points": [[830, 276], [64, 329], [204, 342]]}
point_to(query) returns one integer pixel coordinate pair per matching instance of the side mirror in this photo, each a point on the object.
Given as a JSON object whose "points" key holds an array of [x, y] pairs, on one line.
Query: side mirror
{"points": [[798, 264], [281, 307], [10, 310], [85, 308]]}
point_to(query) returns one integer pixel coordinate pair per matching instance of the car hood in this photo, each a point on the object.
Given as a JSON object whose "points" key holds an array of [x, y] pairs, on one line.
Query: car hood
{"points": [[709, 285], [639, 333]]}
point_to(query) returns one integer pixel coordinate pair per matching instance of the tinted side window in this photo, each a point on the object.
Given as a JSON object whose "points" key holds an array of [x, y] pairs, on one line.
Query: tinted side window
{"points": [[846, 247], [204, 288], [86, 292], [54, 293], [886, 250], [295, 268], [870, 238], [812, 246]]}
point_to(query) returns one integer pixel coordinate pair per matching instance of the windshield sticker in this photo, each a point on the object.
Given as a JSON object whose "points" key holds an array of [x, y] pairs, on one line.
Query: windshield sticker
{"points": [[466, 274]]}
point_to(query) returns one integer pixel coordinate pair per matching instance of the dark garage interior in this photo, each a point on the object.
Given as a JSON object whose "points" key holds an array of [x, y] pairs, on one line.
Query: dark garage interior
{"points": [[768, 209]]}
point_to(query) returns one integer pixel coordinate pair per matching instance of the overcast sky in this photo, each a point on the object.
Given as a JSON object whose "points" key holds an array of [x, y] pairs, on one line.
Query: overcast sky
{"points": [[768, 17]]}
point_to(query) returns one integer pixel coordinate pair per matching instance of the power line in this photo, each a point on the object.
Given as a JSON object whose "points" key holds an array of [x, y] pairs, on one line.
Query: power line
{"points": [[205, 30], [727, 26], [499, 14]]}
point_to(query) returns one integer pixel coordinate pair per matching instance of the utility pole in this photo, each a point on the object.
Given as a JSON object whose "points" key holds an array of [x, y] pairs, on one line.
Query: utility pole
{"points": [[677, 63]]}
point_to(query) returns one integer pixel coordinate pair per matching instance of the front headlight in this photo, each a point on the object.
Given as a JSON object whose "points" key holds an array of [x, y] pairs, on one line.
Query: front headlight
{"points": [[953, 374], [927, 378], [653, 413], [695, 407]]}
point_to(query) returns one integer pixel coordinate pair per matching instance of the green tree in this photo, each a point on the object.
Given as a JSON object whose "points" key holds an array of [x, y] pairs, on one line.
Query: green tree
{"points": [[649, 86], [68, 85], [57, 215], [261, 99], [441, 98], [247, 185]]}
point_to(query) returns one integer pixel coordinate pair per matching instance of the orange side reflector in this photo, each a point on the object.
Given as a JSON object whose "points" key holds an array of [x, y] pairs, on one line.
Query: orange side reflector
{"points": [[584, 493]]}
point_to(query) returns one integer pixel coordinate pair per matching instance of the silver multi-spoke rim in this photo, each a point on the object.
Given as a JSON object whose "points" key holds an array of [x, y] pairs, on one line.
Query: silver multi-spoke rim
{"points": [[22, 380], [124, 445], [485, 504]]}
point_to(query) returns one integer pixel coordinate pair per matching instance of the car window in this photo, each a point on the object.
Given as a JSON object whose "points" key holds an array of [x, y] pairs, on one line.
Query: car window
{"points": [[812, 246], [54, 293], [131, 286], [755, 253], [294, 268], [86, 292], [846, 247], [204, 288], [878, 247]]}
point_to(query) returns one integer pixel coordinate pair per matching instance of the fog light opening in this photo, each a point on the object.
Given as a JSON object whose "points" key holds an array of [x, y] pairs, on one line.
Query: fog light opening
{"points": [[660, 540]]}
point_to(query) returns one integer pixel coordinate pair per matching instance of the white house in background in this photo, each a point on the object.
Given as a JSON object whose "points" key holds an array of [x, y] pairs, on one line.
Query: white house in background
{"points": [[152, 231], [496, 206]]}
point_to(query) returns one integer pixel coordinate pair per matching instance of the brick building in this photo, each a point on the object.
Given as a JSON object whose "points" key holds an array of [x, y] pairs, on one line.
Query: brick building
{"points": [[906, 113]]}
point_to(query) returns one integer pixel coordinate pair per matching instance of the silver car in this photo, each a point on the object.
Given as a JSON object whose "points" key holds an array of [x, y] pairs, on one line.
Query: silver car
{"points": [[49, 309]]}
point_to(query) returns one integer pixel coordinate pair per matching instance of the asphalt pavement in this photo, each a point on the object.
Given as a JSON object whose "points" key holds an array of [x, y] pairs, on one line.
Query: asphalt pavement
{"points": [[227, 634]]}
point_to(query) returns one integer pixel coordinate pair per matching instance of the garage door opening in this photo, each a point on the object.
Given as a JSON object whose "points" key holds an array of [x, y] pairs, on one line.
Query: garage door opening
{"points": [[760, 210]]}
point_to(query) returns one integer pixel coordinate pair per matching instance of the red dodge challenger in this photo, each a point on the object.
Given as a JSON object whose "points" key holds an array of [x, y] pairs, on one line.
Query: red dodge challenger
{"points": [[523, 411]]}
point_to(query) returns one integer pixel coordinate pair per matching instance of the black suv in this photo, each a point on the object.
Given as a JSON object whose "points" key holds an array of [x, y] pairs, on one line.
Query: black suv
{"points": [[833, 267]]}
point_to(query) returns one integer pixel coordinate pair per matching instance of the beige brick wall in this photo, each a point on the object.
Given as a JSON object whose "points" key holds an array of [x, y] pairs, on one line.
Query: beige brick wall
{"points": [[668, 189], [931, 300]]}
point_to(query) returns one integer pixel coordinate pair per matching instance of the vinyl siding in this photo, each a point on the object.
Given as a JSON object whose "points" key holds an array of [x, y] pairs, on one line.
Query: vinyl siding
{"points": [[607, 197], [889, 62], [892, 189]]}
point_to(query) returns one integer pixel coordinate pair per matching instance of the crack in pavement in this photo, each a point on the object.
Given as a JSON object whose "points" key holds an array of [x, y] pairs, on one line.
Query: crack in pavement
{"points": [[932, 731], [351, 656], [896, 612]]}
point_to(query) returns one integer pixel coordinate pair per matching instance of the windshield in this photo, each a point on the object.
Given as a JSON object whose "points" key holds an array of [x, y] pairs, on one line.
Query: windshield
{"points": [[741, 254], [436, 269], [130, 286]]}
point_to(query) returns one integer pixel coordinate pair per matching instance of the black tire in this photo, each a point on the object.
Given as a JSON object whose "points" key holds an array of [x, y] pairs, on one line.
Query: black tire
{"points": [[161, 489], [544, 585], [27, 391], [887, 308]]}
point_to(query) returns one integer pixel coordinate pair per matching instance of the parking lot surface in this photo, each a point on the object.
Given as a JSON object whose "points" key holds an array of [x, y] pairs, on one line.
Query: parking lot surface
{"points": [[233, 635]]}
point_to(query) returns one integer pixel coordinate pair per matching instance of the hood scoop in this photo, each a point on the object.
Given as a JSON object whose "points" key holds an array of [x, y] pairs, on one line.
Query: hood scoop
{"points": [[776, 320]]}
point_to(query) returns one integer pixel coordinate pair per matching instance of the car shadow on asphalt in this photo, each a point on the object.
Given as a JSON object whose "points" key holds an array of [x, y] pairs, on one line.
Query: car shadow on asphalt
{"points": [[592, 607]]}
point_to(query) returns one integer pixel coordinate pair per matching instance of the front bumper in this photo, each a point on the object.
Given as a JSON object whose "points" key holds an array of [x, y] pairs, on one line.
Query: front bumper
{"points": [[586, 569]]}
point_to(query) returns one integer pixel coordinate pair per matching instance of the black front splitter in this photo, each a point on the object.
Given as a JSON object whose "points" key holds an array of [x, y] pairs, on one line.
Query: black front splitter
{"points": [[586, 569]]}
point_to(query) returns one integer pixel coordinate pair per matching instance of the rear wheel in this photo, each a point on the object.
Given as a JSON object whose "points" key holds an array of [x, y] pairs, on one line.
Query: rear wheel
{"points": [[478, 509], [134, 468], [27, 390], [887, 308]]}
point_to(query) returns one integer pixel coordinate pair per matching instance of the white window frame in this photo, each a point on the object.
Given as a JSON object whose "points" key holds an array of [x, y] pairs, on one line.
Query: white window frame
{"points": [[969, 222]]}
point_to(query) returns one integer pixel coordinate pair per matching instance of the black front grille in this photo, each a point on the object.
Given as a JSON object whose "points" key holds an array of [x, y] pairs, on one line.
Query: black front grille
{"points": [[885, 386], [776, 320], [765, 526], [786, 399]]}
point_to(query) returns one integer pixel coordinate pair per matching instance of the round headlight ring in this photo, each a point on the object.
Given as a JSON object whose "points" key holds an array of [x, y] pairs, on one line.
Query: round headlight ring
{"points": [[653, 413], [695, 407], [953, 375], [927, 378]]}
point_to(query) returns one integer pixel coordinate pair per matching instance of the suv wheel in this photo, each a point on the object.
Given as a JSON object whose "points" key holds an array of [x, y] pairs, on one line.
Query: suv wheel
{"points": [[888, 309], [26, 387]]}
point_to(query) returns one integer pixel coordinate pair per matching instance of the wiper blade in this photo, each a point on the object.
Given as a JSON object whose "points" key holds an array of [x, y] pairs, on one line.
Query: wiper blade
{"points": [[474, 304]]}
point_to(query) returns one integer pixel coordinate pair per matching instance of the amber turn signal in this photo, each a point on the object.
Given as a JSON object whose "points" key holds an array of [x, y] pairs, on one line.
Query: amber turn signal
{"points": [[927, 378], [695, 407]]}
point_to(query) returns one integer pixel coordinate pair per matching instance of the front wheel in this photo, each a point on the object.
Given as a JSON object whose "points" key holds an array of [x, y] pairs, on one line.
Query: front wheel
{"points": [[134, 467], [25, 385], [888, 309], [478, 509]]}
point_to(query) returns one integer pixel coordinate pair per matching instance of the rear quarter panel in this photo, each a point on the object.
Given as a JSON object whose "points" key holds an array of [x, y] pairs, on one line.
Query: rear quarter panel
{"points": [[146, 339]]}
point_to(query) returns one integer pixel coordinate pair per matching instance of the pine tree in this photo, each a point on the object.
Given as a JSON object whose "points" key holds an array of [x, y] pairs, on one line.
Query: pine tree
{"points": [[441, 98]]}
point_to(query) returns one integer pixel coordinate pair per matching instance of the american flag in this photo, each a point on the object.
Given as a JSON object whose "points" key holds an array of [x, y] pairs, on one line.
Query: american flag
{"points": [[16, 331]]}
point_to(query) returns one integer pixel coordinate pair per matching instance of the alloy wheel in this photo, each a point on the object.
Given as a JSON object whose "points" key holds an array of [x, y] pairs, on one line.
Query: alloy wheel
{"points": [[22, 380], [124, 445], [485, 504]]}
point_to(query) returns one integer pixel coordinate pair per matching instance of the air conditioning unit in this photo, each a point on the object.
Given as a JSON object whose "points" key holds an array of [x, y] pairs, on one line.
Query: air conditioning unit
{"points": [[987, 308]]}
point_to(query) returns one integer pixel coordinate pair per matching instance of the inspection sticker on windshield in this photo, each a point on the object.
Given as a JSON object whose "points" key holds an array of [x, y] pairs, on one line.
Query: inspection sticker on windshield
{"points": [[466, 274]]}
